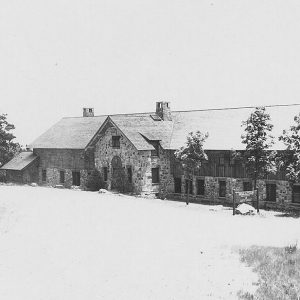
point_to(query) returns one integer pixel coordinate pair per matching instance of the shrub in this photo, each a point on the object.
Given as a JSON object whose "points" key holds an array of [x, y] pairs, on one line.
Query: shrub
{"points": [[2, 176], [95, 181]]}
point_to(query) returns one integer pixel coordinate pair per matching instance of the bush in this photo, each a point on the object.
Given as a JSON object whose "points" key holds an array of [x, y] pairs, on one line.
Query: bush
{"points": [[2, 176], [95, 181]]}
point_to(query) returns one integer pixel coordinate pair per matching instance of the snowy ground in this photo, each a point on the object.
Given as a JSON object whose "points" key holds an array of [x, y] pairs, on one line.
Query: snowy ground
{"points": [[65, 244]]}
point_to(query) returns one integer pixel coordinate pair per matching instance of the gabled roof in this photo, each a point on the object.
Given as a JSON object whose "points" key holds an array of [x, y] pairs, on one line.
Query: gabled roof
{"points": [[223, 126], [69, 133], [20, 162], [137, 126]]}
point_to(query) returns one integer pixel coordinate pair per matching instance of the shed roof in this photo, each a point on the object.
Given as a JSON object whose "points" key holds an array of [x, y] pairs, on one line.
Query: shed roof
{"points": [[20, 161]]}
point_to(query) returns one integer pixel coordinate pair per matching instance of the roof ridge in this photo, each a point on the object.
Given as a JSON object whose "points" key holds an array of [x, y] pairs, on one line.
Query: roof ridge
{"points": [[238, 107], [191, 110]]}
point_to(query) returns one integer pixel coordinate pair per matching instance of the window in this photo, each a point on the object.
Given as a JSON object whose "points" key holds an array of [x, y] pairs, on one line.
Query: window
{"points": [[90, 110], [76, 178], [62, 176], [189, 184], [129, 174], [200, 187], [105, 173], [247, 186], [44, 175], [155, 175], [222, 188], [221, 161], [296, 193], [116, 141], [271, 192], [177, 185]]}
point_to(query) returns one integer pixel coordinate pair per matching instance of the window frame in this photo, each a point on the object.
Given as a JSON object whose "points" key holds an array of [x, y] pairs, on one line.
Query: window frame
{"points": [[105, 174], [245, 183], [129, 174], [76, 181], [44, 175], [198, 180], [155, 175], [175, 185], [222, 188], [62, 177], [116, 141]]}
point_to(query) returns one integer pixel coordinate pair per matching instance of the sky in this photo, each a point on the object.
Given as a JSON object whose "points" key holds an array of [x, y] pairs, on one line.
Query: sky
{"points": [[122, 56]]}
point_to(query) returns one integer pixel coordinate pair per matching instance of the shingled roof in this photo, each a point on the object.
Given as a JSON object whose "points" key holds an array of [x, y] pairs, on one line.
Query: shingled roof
{"points": [[20, 162], [223, 126], [69, 133]]}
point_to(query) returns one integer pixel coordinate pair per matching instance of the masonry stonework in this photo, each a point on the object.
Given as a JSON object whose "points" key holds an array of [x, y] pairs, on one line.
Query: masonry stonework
{"points": [[140, 162]]}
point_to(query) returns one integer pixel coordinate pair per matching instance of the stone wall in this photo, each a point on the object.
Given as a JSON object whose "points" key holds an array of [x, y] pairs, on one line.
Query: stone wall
{"points": [[67, 160], [53, 177], [141, 162], [211, 194]]}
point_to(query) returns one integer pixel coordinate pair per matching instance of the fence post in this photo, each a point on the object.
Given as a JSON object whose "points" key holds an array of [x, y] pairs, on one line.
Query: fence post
{"points": [[233, 200], [257, 201]]}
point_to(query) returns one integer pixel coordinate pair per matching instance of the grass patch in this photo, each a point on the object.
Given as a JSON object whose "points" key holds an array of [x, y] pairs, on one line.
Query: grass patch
{"points": [[278, 270]]}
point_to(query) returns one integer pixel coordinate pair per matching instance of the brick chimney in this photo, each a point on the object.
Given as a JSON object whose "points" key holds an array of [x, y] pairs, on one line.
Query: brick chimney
{"points": [[88, 112], [163, 110]]}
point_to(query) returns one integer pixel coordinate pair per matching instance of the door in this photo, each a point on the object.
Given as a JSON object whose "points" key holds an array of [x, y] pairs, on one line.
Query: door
{"points": [[118, 175], [76, 178], [271, 192]]}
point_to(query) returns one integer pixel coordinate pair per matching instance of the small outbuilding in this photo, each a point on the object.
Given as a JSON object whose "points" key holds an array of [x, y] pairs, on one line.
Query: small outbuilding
{"points": [[23, 168]]}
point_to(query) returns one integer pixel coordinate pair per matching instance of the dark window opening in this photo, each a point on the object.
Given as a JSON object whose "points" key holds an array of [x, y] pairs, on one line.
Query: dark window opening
{"points": [[76, 178], [155, 175], [271, 192], [44, 175], [296, 193], [105, 173], [221, 161], [222, 188], [62, 176], [177, 185], [189, 186], [247, 186], [129, 174], [116, 141], [90, 110], [200, 187]]}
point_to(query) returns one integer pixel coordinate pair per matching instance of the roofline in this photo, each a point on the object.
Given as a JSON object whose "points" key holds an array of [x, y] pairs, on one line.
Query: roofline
{"points": [[100, 129], [192, 110], [36, 157]]}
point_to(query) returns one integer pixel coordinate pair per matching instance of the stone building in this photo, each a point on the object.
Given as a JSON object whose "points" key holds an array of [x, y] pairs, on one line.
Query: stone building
{"points": [[135, 152]]}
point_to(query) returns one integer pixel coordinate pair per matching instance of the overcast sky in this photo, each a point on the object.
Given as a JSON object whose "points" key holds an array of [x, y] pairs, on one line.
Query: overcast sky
{"points": [[57, 56]]}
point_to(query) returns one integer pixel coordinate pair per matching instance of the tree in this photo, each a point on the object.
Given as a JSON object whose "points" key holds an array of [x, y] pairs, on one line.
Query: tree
{"points": [[8, 148], [192, 154], [258, 157], [290, 159]]}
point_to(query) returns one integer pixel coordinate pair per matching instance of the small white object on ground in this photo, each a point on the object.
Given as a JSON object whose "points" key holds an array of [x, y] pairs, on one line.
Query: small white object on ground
{"points": [[33, 184], [245, 209], [104, 191], [216, 208]]}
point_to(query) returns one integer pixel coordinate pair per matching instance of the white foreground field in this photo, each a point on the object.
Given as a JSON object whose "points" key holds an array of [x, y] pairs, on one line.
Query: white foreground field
{"points": [[65, 244]]}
